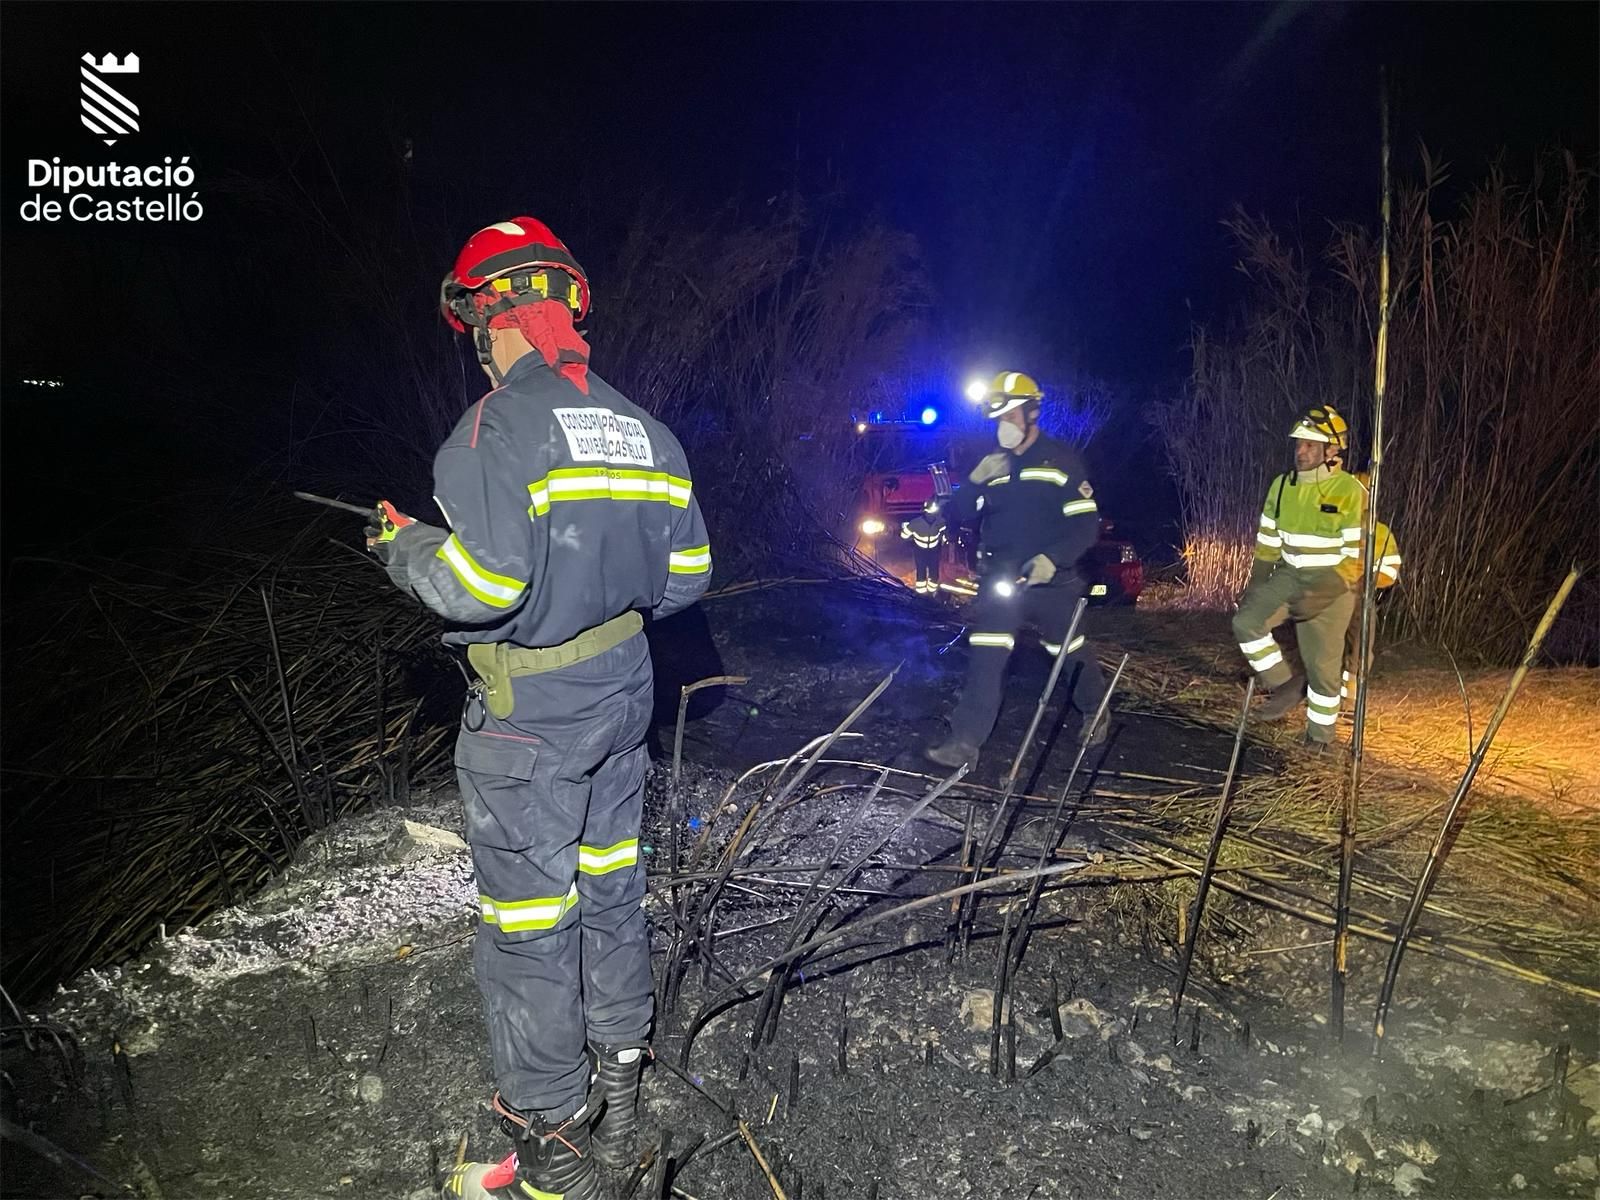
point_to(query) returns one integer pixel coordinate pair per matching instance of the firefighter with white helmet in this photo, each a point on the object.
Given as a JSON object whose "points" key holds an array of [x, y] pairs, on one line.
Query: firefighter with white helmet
{"points": [[1307, 561], [1037, 515], [571, 513]]}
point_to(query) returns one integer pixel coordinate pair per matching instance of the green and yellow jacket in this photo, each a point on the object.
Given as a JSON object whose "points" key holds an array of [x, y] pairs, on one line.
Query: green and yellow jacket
{"points": [[1311, 521]]}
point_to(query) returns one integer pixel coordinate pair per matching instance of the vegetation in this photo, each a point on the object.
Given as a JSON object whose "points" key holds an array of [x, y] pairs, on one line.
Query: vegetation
{"points": [[1492, 464]]}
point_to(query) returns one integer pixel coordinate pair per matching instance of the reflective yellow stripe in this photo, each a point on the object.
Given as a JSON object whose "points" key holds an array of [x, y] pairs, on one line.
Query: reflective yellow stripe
{"points": [[1002, 640], [1075, 508], [513, 916], [1044, 475], [1311, 541], [696, 560], [1321, 701], [1312, 560], [497, 591], [607, 483], [998, 479], [599, 860]]}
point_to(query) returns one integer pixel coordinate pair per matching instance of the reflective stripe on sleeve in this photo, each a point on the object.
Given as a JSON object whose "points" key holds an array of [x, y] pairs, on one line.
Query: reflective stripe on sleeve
{"points": [[1268, 522], [497, 591], [696, 560], [1074, 508], [1043, 475], [1271, 540], [1003, 641]]}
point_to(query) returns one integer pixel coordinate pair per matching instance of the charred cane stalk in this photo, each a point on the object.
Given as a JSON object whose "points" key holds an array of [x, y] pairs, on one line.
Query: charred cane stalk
{"points": [[1455, 815], [1219, 828], [1350, 811]]}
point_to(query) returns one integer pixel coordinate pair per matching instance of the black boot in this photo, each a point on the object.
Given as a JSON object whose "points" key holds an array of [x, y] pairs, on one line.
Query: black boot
{"points": [[616, 1128]]}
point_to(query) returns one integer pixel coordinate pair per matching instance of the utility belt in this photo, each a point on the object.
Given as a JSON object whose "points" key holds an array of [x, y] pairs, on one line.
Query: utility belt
{"points": [[497, 663]]}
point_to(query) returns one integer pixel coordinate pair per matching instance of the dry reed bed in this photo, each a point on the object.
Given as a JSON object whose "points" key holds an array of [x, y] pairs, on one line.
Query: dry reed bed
{"points": [[1494, 360], [197, 724]]}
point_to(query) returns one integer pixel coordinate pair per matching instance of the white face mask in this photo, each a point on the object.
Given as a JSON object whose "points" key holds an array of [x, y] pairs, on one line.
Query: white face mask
{"points": [[1008, 435]]}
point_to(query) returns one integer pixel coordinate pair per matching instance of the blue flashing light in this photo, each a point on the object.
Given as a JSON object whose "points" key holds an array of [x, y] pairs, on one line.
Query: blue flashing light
{"points": [[930, 415]]}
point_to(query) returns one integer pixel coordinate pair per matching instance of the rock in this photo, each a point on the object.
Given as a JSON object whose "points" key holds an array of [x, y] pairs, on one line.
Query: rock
{"points": [[1406, 1178], [1310, 1125], [1583, 1167], [1518, 1182], [412, 841], [1420, 1151], [977, 1009], [370, 1089], [1080, 1017]]}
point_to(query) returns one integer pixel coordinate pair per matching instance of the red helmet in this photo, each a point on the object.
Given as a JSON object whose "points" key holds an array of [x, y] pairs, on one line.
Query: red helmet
{"points": [[512, 258]]}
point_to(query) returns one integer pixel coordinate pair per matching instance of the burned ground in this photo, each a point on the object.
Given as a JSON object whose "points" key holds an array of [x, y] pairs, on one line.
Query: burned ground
{"points": [[324, 1038]]}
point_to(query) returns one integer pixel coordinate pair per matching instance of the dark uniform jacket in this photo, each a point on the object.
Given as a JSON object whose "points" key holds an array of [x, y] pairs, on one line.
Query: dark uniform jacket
{"points": [[1036, 502], [565, 510]]}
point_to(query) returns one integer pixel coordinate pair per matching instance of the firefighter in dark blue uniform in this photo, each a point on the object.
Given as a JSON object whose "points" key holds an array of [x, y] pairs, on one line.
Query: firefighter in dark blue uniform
{"points": [[1037, 516], [571, 513], [926, 533]]}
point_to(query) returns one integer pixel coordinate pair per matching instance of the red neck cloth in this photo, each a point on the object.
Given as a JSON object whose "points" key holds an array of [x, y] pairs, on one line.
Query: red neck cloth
{"points": [[547, 325]]}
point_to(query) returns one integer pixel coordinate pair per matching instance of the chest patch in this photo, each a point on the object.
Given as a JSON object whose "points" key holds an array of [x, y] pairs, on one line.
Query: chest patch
{"points": [[1085, 490], [600, 435], [1330, 508]]}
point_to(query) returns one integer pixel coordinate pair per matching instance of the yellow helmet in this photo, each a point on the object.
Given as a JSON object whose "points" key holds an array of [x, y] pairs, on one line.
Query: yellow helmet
{"points": [[1323, 425], [1007, 390]]}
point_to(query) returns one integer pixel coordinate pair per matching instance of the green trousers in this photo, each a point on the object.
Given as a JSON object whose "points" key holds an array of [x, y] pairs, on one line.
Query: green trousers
{"points": [[1319, 603]]}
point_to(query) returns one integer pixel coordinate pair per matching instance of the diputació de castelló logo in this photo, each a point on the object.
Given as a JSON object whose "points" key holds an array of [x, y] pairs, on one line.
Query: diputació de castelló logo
{"points": [[112, 191]]}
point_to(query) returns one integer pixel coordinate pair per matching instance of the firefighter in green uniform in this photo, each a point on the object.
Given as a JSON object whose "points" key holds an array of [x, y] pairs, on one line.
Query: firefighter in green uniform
{"points": [[1307, 563]]}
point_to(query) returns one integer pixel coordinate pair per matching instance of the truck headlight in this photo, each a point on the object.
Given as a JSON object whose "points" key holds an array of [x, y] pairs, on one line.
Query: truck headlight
{"points": [[872, 526]]}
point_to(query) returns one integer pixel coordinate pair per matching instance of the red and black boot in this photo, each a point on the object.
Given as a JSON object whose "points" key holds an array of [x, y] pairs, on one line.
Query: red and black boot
{"points": [[550, 1162]]}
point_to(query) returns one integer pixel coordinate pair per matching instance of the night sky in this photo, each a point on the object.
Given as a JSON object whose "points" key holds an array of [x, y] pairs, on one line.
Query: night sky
{"points": [[1065, 168]]}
